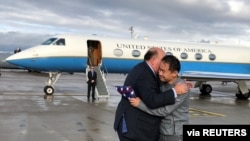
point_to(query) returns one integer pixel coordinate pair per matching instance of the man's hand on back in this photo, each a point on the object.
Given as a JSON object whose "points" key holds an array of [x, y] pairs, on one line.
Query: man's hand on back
{"points": [[182, 88]]}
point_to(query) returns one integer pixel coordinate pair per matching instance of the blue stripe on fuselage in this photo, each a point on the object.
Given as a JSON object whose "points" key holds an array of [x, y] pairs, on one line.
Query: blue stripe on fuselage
{"points": [[74, 64], [56, 64], [111, 65]]}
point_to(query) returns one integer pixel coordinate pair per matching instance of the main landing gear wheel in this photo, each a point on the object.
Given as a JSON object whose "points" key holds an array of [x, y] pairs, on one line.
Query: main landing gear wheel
{"points": [[206, 89], [49, 90]]}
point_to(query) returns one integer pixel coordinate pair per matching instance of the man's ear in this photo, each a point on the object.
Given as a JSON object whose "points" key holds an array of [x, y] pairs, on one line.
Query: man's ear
{"points": [[175, 73]]}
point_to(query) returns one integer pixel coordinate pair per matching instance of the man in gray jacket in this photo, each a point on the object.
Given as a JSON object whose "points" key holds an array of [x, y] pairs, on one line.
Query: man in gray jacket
{"points": [[174, 116]]}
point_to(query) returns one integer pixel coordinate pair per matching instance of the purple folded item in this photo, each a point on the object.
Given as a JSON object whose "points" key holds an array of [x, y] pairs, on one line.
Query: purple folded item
{"points": [[126, 91]]}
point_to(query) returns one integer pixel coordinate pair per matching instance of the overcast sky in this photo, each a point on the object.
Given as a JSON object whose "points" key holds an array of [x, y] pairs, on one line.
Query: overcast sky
{"points": [[28, 22]]}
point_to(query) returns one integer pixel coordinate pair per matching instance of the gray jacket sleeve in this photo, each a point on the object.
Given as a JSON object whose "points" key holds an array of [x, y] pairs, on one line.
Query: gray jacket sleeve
{"points": [[163, 111]]}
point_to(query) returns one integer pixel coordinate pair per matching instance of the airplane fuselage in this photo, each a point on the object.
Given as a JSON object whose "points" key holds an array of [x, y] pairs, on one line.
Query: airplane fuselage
{"points": [[199, 61], [120, 55]]}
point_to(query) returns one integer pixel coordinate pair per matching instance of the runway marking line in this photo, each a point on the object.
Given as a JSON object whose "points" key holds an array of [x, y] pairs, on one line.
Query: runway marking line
{"points": [[196, 112]]}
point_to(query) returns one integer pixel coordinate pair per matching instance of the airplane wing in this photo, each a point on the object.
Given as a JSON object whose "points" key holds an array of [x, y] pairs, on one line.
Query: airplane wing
{"points": [[213, 76]]}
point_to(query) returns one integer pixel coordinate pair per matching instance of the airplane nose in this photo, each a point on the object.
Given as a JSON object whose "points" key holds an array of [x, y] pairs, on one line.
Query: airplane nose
{"points": [[10, 58], [22, 58], [13, 59]]}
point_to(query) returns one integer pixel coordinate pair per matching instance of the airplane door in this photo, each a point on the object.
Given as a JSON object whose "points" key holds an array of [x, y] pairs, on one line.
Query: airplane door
{"points": [[94, 53]]}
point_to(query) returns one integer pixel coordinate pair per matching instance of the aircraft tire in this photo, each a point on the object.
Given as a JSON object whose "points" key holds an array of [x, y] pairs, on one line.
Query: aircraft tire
{"points": [[206, 89], [49, 90]]}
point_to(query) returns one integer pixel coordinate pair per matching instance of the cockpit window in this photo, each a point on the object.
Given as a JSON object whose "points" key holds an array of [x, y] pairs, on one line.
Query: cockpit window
{"points": [[60, 42], [49, 41]]}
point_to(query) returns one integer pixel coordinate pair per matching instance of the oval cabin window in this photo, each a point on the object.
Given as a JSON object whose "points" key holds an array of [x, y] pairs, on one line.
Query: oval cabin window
{"points": [[198, 56], [184, 55], [169, 53], [136, 53], [118, 52], [212, 56]]}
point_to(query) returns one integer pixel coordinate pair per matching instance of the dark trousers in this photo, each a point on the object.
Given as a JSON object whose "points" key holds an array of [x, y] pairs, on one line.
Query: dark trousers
{"points": [[91, 87]]}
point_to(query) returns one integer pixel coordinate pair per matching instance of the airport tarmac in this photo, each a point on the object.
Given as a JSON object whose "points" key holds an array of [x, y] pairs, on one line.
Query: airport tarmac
{"points": [[27, 115]]}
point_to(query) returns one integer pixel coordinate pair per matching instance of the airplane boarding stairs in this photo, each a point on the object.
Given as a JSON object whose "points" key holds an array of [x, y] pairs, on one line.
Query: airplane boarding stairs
{"points": [[101, 87]]}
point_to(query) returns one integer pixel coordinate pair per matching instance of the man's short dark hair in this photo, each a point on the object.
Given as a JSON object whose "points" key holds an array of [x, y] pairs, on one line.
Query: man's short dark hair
{"points": [[174, 63]]}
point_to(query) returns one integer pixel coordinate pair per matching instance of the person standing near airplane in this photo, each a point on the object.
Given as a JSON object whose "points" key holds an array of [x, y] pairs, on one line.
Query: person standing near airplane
{"points": [[17, 50], [174, 116], [91, 82], [133, 124]]}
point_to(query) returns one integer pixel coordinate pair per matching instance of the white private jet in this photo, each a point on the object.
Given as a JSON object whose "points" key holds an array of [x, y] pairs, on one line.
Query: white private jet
{"points": [[201, 62]]}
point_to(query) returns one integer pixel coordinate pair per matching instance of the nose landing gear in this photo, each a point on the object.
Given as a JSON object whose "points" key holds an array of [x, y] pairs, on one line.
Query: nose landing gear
{"points": [[53, 77]]}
